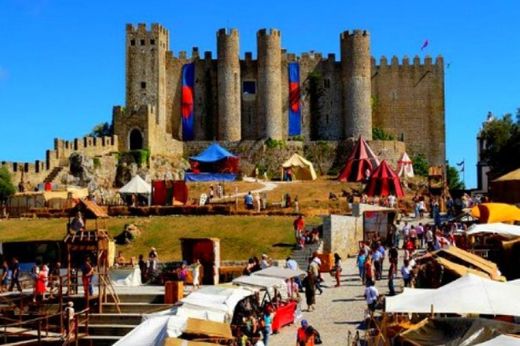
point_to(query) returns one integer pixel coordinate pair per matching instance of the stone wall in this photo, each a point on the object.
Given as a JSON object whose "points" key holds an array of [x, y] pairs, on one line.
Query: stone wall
{"points": [[35, 173], [408, 101], [341, 234], [328, 157]]}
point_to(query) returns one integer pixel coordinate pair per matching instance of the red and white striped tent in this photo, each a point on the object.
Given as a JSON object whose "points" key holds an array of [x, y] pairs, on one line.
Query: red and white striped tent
{"points": [[405, 166], [383, 182], [360, 159]]}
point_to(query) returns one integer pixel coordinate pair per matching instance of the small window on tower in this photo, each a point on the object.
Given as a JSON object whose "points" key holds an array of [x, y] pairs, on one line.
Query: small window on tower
{"points": [[249, 87], [326, 83], [143, 85], [152, 41], [132, 42], [142, 42]]}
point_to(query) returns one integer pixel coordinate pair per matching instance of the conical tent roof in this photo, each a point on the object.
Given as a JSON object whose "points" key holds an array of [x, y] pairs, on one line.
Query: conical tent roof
{"points": [[405, 166], [136, 185], [361, 159], [511, 176], [302, 168], [212, 153], [384, 181]]}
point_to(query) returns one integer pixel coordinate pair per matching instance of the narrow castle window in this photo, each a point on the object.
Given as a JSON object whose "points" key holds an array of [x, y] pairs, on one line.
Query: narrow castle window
{"points": [[143, 85], [152, 41], [249, 87], [142, 42], [132, 42]]}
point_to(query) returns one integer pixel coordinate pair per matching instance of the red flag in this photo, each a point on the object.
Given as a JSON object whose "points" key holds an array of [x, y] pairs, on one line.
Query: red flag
{"points": [[425, 44]]}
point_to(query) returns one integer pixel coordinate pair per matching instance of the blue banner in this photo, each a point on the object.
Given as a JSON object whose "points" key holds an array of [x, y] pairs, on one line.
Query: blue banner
{"points": [[295, 112], [187, 101]]}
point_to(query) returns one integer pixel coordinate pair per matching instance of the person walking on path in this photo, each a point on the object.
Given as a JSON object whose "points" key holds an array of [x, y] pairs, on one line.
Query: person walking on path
{"points": [[337, 268], [15, 275], [406, 273], [369, 269], [371, 296], [309, 283], [391, 275], [302, 337], [360, 261]]}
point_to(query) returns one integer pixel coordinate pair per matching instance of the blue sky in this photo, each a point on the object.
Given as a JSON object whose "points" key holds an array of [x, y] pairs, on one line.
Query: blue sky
{"points": [[62, 62]]}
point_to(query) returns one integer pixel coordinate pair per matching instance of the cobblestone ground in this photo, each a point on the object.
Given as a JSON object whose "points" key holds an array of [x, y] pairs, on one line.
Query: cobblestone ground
{"points": [[338, 310]]}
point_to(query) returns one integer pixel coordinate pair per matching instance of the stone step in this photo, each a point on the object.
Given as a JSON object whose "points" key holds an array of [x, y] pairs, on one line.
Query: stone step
{"points": [[109, 330], [140, 298], [135, 307], [115, 318], [99, 340]]}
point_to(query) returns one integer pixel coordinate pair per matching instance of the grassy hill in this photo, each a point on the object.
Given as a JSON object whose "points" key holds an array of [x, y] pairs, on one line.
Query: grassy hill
{"points": [[241, 236]]}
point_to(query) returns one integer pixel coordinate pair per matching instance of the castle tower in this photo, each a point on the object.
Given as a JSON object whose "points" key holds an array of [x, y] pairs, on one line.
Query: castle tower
{"points": [[228, 85], [145, 84], [269, 79], [355, 76]]}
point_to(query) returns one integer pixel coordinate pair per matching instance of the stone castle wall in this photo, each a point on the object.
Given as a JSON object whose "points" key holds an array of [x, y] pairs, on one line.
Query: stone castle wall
{"points": [[35, 173], [408, 101], [354, 93]]}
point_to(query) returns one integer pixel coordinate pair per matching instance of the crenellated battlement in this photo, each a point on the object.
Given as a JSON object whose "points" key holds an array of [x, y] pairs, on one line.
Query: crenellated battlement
{"points": [[268, 32], [141, 28], [227, 32], [354, 33], [405, 62]]}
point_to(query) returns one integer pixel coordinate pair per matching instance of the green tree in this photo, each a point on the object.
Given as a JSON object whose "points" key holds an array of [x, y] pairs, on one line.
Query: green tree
{"points": [[454, 182], [6, 185], [502, 143], [101, 130], [420, 165]]}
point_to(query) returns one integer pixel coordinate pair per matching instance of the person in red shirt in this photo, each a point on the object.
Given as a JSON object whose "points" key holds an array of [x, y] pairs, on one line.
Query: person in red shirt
{"points": [[303, 338], [298, 225]]}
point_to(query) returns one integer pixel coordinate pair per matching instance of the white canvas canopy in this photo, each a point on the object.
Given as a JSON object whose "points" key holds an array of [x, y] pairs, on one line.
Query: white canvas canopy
{"points": [[279, 272], [302, 169], [137, 185], [155, 331], [212, 303], [405, 166], [258, 283], [502, 229], [502, 340], [471, 294]]}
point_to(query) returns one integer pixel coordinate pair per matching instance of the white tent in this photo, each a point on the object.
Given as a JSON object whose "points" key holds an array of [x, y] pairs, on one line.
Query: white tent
{"points": [[302, 169], [471, 294], [502, 229], [137, 185], [405, 166], [213, 303], [502, 340]]}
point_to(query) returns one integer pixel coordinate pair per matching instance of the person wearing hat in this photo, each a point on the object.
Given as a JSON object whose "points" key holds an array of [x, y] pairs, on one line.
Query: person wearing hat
{"points": [[303, 337]]}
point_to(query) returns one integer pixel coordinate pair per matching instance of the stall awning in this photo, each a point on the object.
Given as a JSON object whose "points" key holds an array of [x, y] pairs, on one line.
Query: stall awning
{"points": [[470, 294], [279, 272], [136, 185], [501, 229]]}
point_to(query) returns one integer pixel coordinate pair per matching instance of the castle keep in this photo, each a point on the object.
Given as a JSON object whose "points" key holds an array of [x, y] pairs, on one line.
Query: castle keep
{"points": [[312, 103], [248, 99]]}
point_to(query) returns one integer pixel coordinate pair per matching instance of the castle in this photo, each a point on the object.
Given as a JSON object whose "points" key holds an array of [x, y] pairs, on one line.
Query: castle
{"points": [[175, 102]]}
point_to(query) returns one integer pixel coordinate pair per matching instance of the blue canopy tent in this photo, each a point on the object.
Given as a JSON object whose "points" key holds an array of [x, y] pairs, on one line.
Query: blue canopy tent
{"points": [[213, 164]]}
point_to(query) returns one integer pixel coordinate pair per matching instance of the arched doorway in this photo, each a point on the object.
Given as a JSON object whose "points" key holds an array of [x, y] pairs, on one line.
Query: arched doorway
{"points": [[135, 139]]}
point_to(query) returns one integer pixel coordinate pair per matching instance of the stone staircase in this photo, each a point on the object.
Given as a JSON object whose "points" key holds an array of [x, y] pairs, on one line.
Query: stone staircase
{"points": [[110, 326], [53, 174], [301, 256]]}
